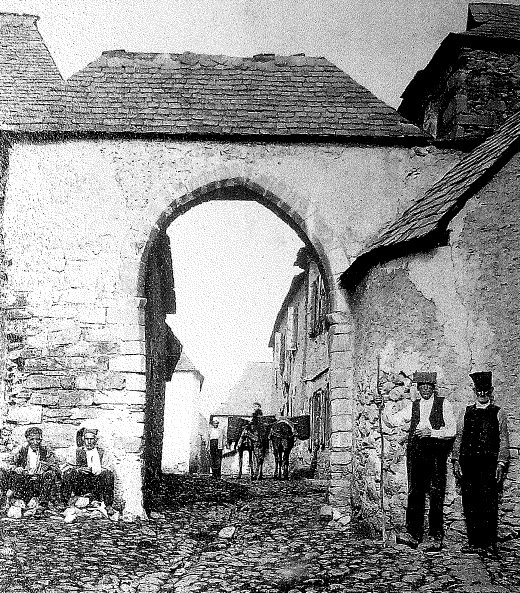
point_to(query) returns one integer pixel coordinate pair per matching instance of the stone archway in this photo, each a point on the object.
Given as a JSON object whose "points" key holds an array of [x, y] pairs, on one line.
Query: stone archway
{"points": [[301, 215]]}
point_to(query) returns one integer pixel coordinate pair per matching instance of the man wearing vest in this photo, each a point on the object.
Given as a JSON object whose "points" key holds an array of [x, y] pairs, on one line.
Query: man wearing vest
{"points": [[480, 458], [33, 469], [89, 469], [432, 428]]}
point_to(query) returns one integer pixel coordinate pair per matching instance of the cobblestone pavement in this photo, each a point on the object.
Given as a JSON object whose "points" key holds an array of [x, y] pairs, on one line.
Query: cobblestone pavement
{"points": [[279, 545]]}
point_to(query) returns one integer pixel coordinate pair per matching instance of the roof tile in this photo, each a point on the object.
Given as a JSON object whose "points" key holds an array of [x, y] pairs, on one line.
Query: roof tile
{"points": [[432, 212]]}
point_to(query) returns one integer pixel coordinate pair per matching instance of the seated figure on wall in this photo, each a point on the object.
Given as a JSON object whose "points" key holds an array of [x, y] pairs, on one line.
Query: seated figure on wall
{"points": [[33, 469], [7, 446], [89, 469]]}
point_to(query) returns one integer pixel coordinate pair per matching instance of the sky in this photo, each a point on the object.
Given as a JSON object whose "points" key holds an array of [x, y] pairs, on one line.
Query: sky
{"points": [[380, 43], [233, 261], [233, 264]]}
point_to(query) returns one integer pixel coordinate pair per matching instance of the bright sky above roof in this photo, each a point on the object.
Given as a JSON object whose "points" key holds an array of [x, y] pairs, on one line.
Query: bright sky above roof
{"points": [[380, 43]]}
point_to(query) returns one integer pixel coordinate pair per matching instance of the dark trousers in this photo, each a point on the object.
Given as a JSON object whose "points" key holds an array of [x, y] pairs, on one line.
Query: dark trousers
{"points": [[216, 458], [427, 460], [101, 486], [26, 486], [480, 502], [5, 479]]}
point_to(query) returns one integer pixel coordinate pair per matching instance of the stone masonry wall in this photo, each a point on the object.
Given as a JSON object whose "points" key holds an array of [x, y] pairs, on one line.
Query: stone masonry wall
{"points": [[453, 310], [477, 94], [78, 219]]}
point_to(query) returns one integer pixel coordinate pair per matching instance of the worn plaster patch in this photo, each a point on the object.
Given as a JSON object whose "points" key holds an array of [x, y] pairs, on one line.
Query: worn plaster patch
{"points": [[448, 279]]}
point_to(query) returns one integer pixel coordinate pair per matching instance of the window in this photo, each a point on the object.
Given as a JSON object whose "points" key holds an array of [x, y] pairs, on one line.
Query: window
{"points": [[320, 419], [292, 328], [318, 307]]}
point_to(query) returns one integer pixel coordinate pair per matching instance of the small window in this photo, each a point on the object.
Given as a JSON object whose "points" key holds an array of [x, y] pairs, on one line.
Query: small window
{"points": [[318, 307], [320, 419]]}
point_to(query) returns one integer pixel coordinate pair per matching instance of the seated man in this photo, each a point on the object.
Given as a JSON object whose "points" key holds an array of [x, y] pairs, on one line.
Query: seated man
{"points": [[7, 445], [34, 469], [89, 469]]}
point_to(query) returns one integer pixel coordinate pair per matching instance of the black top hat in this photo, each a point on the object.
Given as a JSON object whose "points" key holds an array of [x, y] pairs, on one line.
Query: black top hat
{"points": [[482, 380]]}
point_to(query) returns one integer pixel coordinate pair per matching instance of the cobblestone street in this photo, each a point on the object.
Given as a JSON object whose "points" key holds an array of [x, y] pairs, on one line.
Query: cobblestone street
{"points": [[279, 545]]}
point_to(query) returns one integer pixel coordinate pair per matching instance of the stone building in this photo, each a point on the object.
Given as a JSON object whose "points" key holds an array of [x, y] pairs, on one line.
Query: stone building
{"points": [[181, 446], [472, 83], [95, 168], [438, 289], [301, 365]]}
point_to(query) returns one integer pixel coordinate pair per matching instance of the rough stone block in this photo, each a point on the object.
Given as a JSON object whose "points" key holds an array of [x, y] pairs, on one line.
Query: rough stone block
{"points": [[67, 336], [340, 458], [341, 378], [87, 381], [129, 444], [135, 382], [81, 413], [132, 363], [340, 343], [92, 314], [111, 381], [341, 439], [133, 347], [25, 414], [120, 397], [129, 332], [340, 406], [341, 423], [56, 414], [42, 382], [103, 334], [125, 315]]}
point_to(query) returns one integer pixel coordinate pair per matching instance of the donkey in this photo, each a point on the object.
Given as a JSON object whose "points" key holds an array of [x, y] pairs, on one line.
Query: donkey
{"points": [[282, 436], [255, 440]]}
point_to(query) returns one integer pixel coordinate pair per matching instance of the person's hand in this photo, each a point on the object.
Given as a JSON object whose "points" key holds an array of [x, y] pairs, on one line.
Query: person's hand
{"points": [[457, 472], [19, 470], [423, 432], [84, 469], [500, 473]]}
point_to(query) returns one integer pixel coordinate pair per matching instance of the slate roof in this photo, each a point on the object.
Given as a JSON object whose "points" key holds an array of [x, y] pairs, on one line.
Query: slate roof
{"points": [[202, 94], [27, 70], [166, 93], [493, 20], [489, 25], [296, 284], [425, 221]]}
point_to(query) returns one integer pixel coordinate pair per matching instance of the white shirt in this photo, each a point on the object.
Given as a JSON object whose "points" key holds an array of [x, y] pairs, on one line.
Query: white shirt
{"points": [[217, 433], [33, 458], [93, 461], [449, 429]]}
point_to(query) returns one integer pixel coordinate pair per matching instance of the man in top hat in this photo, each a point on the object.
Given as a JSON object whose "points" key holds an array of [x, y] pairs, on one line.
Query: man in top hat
{"points": [[34, 469], [89, 468], [480, 458], [432, 428]]}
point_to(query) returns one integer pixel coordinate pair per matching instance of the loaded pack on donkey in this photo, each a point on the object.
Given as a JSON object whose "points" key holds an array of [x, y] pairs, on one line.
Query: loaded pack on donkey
{"points": [[255, 435]]}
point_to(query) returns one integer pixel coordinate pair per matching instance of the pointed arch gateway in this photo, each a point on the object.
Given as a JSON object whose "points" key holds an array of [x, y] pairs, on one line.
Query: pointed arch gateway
{"points": [[300, 215]]}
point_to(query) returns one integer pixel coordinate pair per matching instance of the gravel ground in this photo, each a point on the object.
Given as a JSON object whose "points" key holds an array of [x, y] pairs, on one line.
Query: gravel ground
{"points": [[278, 544]]}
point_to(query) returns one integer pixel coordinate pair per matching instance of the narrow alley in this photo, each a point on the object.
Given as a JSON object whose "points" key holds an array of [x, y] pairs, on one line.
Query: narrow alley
{"points": [[278, 543]]}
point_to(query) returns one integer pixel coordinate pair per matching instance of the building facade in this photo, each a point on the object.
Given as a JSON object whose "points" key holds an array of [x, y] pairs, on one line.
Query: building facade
{"points": [[96, 167], [301, 366]]}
